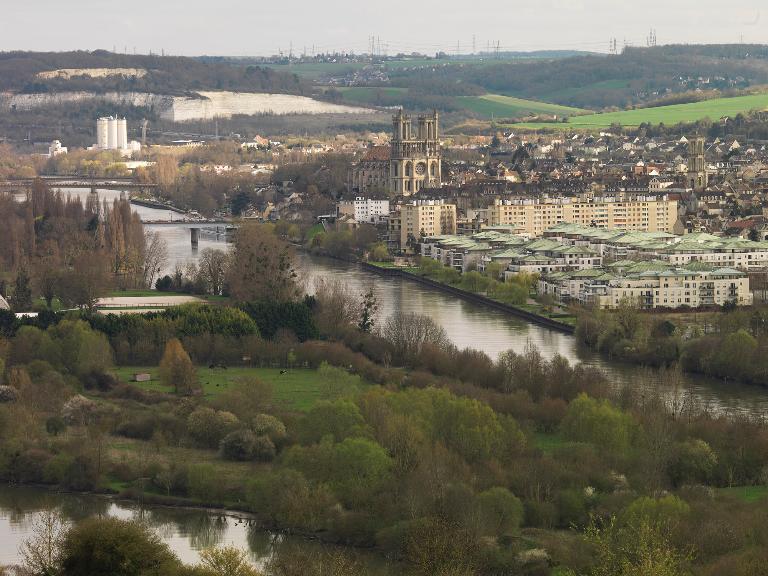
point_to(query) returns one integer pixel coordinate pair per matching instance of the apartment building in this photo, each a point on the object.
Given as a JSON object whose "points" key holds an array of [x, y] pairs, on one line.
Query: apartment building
{"points": [[676, 288], [424, 218], [364, 210], [650, 285], [719, 252], [535, 216]]}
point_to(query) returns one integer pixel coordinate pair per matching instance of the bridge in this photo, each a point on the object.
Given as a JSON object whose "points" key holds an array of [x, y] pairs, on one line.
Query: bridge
{"points": [[189, 223], [220, 232], [78, 182]]}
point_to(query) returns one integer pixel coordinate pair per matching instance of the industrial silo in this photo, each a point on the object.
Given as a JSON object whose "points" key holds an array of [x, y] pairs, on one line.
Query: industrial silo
{"points": [[102, 136], [112, 133], [122, 134]]}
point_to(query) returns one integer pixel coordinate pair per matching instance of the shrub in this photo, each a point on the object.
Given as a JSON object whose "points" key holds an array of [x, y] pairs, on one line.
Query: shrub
{"points": [[115, 547], [264, 449], [207, 427], [239, 445]]}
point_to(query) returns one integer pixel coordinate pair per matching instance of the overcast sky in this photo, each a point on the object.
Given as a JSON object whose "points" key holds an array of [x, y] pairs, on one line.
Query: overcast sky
{"points": [[262, 27]]}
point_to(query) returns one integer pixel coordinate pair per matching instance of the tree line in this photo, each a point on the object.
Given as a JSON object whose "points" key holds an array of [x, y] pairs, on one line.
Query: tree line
{"points": [[56, 247]]}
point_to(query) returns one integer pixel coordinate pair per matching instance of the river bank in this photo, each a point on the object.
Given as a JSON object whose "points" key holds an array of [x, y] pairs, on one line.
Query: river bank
{"points": [[529, 316], [157, 205]]}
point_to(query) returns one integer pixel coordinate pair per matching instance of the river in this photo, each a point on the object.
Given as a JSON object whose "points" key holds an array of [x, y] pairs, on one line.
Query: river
{"points": [[467, 324]]}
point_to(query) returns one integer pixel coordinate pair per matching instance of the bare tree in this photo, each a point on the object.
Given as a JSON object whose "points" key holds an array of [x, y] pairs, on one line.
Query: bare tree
{"points": [[338, 307], [213, 269], [41, 553], [155, 257], [410, 332]]}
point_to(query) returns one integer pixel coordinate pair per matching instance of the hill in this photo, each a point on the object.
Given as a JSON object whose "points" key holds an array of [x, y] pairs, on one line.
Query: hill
{"points": [[637, 75], [483, 105], [495, 105], [668, 115], [46, 72]]}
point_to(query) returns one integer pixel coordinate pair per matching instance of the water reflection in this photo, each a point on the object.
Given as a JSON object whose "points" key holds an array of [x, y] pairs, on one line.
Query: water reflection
{"points": [[186, 531]]}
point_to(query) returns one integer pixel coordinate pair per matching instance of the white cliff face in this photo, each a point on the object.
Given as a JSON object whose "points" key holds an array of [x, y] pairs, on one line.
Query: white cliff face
{"points": [[181, 108], [227, 104]]}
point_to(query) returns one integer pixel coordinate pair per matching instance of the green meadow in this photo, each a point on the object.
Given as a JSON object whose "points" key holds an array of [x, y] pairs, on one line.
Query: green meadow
{"points": [[669, 115], [295, 388]]}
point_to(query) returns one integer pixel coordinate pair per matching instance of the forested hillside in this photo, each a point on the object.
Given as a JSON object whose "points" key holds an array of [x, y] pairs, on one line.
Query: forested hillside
{"points": [[164, 74], [637, 75]]}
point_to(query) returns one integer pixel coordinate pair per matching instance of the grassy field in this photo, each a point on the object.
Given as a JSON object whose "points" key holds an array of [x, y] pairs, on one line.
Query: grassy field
{"points": [[669, 115], [487, 106], [548, 443], [506, 106], [746, 493], [369, 95], [605, 85], [298, 388]]}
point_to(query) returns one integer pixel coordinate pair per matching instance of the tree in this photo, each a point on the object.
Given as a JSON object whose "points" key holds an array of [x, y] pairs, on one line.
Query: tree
{"points": [[165, 170], [355, 469], [41, 553], [338, 308], [109, 546], [600, 423], [86, 281], [501, 512], [637, 548], [338, 420], [262, 266], [21, 299], [155, 257], [410, 332], [368, 315], [177, 370], [213, 269], [693, 463], [239, 445], [379, 252], [208, 427], [227, 561]]}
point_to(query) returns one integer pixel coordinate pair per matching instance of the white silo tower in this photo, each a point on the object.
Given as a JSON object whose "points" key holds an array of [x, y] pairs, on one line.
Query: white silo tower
{"points": [[102, 135], [122, 134], [112, 133]]}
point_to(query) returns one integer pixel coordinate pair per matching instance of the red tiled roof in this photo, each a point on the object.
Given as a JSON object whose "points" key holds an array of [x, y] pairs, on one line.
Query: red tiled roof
{"points": [[377, 154]]}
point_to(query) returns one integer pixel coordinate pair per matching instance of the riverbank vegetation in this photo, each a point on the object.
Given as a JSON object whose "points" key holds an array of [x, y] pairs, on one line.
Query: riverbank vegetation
{"points": [[728, 344], [517, 291], [58, 248], [443, 460]]}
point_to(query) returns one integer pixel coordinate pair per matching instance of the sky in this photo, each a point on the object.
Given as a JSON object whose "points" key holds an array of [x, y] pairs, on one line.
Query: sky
{"points": [[266, 27]]}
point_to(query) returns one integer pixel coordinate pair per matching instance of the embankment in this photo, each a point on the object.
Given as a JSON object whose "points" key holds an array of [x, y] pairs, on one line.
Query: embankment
{"points": [[472, 297]]}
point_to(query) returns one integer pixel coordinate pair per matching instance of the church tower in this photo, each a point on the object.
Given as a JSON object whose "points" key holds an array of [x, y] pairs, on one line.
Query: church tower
{"points": [[698, 179], [416, 158]]}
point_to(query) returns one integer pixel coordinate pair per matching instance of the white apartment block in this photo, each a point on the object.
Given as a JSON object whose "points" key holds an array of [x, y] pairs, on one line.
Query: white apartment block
{"points": [[675, 288], [370, 211], [535, 216]]}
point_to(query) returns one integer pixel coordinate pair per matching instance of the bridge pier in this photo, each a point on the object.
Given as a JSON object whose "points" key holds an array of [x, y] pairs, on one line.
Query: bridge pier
{"points": [[194, 236]]}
